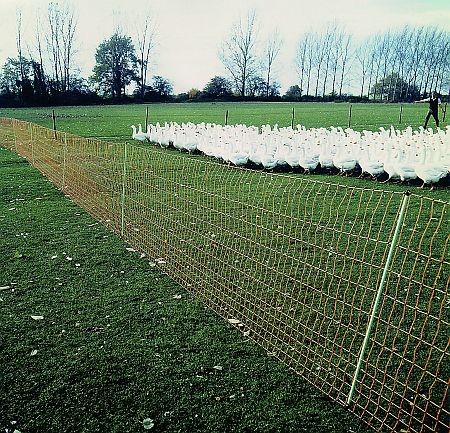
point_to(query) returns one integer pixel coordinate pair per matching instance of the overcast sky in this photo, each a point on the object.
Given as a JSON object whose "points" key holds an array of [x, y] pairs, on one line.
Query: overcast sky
{"points": [[190, 32]]}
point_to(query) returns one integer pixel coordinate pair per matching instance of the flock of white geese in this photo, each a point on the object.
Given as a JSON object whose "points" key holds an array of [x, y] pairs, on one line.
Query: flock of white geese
{"points": [[389, 153]]}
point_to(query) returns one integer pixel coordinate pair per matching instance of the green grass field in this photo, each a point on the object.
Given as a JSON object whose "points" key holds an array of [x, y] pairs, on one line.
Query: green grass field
{"points": [[113, 122], [118, 341], [115, 346]]}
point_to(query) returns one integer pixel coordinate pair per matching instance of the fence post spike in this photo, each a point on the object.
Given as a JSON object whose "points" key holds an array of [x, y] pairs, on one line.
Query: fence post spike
{"points": [[379, 292], [15, 134], [124, 173], [64, 161], [31, 143]]}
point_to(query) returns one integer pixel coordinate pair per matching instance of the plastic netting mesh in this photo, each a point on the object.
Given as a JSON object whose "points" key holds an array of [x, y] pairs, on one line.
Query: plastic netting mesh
{"points": [[294, 263]]}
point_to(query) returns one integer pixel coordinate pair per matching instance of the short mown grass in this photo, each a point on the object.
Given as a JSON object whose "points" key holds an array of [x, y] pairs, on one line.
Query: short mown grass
{"points": [[115, 346], [112, 122], [113, 341]]}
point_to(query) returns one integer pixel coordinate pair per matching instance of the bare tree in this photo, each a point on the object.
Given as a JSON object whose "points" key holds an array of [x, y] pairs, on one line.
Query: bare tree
{"points": [[53, 44], [328, 40], [146, 35], [386, 48], [403, 52], [38, 41], [338, 51], [371, 65], [428, 59], [19, 46], [238, 53], [68, 28], [394, 65], [436, 59], [443, 69], [319, 55], [345, 57], [273, 48], [403, 63], [62, 25], [37, 63], [362, 56], [305, 60], [301, 59], [377, 55], [415, 59]]}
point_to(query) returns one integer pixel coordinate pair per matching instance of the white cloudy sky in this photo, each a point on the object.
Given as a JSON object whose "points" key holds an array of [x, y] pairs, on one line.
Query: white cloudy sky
{"points": [[191, 31]]}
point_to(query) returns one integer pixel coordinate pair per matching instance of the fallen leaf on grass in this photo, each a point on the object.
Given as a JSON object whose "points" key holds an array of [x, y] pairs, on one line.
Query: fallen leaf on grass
{"points": [[148, 423], [33, 352], [94, 329], [218, 367], [54, 257], [176, 296], [37, 317]]}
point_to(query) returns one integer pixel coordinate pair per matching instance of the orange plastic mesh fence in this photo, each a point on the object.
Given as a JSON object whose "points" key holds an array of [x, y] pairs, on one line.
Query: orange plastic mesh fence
{"points": [[294, 263]]}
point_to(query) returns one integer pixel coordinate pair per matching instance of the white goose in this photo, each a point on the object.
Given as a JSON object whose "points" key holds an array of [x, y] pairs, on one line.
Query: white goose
{"points": [[405, 164], [390, 157], [327, 148], [432, 167], [369, 158], [388, 150], [308, 159], [139, 135], [343, 159]]}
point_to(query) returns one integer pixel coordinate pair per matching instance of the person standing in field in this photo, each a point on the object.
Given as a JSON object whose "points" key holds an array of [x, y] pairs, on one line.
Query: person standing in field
{"points": [[434, 103]]}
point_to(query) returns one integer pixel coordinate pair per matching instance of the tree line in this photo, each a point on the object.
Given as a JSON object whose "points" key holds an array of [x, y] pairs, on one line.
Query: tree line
{"points": [[394, 66]]}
